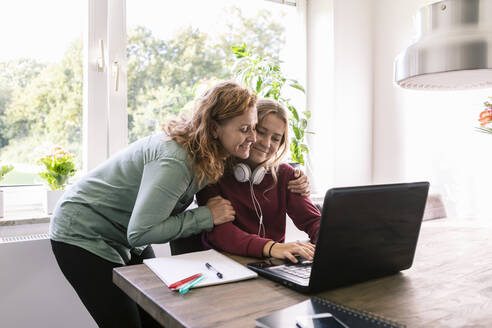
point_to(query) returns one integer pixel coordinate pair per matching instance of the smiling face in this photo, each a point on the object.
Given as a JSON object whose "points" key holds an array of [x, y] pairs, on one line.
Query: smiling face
{"points": [[237, 134], [269, 137]]}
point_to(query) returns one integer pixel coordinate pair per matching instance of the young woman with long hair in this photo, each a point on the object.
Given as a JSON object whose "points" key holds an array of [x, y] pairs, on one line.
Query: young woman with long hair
{"points": [[258, 189]]}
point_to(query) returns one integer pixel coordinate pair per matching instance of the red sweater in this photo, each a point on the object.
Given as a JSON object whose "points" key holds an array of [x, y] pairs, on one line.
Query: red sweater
{"points": [[240, 236]]}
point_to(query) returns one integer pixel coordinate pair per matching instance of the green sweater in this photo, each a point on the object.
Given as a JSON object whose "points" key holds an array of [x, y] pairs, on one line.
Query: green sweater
{"points": [[136, 198]]}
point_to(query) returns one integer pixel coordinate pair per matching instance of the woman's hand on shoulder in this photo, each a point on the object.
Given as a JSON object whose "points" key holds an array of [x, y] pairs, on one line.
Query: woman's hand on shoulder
{"points": [[288, 250], [221, 209], [300, 184]]}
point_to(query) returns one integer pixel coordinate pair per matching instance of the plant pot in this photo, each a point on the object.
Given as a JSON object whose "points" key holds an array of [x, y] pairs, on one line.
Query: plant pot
{"points": [[2, 206], [295, 165], [50, 200]]}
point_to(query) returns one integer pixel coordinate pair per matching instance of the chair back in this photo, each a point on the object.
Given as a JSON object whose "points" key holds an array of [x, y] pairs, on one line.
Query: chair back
{"points": [[188, 244]]}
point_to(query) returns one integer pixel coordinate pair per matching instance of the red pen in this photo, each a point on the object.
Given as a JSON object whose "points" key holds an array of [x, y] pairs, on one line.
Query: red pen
{"points": [[184, 281]]}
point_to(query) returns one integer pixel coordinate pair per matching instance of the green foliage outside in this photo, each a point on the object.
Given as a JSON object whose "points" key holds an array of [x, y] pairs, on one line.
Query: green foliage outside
{"points": [[45, 109], [4, 169], [264, 75], [163, 74], [58, 167], [41, 103]]}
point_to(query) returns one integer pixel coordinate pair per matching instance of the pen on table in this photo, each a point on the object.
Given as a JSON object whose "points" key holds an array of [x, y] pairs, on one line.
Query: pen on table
{"points": [[177, 284], [210, 267], [186, 288]]}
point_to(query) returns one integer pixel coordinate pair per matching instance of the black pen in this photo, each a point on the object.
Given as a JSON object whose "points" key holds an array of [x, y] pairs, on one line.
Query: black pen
{"points": [[210, 267]]}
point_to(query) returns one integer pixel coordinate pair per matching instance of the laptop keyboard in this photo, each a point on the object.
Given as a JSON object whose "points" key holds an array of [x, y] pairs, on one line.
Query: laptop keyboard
{"points": [[303, 271]]}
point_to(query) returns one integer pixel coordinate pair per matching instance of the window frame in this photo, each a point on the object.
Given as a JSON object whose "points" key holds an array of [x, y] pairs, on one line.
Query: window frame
{"points": [[105, 116]]}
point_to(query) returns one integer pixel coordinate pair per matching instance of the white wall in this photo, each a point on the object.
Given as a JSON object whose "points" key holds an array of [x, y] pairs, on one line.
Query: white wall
{"points": [[393, 31], [34, 292], [340, 94], [368, 130], [426, 135], [320, 91], [353, 93]]}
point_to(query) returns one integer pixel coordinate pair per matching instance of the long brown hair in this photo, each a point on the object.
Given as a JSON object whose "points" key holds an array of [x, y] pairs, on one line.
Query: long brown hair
{"points": [[224, 101]]}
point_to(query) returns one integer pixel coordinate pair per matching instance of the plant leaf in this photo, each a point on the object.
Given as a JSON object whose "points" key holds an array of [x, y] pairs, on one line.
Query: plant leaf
{"points": [[294, 112], [303, 124], [304, 148], [484, 129], [297, 133], [259, 83], [240, 51], [297, 86]]}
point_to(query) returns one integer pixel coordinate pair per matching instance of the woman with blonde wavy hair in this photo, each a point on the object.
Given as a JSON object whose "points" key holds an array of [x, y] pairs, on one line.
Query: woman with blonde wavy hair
{"points": [[140, 197], [262, 193]]}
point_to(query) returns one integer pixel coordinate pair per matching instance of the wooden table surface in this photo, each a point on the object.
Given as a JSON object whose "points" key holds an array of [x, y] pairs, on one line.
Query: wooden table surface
{"points": [[449, 285]]}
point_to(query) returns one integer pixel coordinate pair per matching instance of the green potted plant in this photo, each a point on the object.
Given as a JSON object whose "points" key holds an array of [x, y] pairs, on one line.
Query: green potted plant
{"points": [[264, 76], [58, 167], [4, 170]]}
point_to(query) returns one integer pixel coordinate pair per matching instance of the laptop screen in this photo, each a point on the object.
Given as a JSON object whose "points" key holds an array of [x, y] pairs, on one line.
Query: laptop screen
{"points": [[368, 231]]}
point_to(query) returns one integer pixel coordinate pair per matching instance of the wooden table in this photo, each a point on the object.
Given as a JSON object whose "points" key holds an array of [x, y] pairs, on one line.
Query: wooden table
{"points": [[449, 285]]}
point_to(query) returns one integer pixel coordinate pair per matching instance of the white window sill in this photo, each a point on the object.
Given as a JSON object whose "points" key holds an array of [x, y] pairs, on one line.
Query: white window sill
{"points": [[24, 217], [24, 225]]}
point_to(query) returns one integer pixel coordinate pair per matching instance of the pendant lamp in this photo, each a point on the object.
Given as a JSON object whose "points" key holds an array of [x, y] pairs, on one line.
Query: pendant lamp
{"points": [[452, 49]]}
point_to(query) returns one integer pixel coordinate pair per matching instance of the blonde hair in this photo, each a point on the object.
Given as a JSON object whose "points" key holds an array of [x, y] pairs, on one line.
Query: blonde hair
{"points": [[266, 107], [224, 101]]}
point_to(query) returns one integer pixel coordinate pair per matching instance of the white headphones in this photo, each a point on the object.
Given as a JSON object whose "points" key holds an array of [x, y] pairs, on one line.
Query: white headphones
{"points": [[242, 173]]}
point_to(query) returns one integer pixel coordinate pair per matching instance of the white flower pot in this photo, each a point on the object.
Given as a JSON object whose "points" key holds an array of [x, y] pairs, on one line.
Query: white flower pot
{"points": [[2, 206], [52, 197], [296, 165]]}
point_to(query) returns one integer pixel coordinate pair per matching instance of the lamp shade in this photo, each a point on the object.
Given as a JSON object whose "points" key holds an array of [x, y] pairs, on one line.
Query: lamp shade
{"points": [[453, 47]]}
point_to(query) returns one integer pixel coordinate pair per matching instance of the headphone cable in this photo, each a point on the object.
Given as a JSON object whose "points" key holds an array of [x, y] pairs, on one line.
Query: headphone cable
{"points": [[258, 210]]}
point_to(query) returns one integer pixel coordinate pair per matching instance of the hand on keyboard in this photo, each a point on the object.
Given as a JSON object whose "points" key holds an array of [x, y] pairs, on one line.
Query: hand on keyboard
{"points": [[302, 260], [289, 250]]}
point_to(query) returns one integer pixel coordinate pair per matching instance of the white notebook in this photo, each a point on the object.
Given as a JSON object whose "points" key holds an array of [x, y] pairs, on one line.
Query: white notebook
{"points": [[175, 268]]}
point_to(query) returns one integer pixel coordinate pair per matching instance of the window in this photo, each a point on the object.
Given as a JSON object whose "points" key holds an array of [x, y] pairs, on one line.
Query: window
{"points": [[40, 83], [175, 51], [158, 55]]}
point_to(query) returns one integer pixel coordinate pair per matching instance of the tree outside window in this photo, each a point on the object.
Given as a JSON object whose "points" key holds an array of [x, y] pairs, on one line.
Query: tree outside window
{"points": [[41, 102]]}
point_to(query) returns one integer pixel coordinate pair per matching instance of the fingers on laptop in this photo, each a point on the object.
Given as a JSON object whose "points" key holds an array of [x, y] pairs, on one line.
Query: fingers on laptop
{"points": [[307, 250], [289, 250]]}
